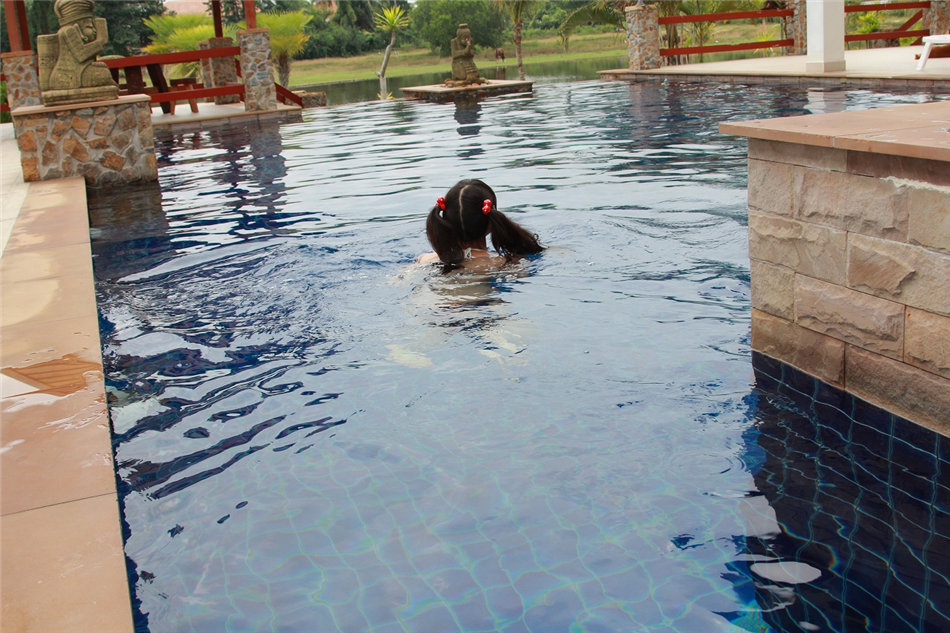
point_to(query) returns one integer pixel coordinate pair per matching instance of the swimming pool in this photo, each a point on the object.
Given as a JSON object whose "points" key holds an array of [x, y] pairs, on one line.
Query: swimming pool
{"points": [[314, 434]]}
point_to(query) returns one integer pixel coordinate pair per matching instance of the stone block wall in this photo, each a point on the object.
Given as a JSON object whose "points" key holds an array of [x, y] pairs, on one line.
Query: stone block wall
{"points": [[850, 271], [105, 142]]}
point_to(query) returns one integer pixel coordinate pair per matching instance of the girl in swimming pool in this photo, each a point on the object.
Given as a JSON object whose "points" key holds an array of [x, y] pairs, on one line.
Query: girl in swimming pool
{"points": [[459, 223]]}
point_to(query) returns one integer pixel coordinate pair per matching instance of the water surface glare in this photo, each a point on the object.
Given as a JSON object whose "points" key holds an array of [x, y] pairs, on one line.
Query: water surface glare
{"points": [[314, 434]]}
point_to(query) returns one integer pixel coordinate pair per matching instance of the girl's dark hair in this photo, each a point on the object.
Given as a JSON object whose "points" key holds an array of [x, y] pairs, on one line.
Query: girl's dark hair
{"points": [[463, 222]]}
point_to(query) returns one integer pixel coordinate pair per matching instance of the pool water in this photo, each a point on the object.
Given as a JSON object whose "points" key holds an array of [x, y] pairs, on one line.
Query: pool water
{"points": [[313, 433]]}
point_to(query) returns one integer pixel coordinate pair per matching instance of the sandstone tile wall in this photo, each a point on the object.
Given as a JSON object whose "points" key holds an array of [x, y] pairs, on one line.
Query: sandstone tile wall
{"points": [[850, 271]]}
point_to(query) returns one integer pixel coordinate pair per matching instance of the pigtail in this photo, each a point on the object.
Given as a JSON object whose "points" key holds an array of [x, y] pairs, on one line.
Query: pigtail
{"points": [[510, 238], [444, 239]]}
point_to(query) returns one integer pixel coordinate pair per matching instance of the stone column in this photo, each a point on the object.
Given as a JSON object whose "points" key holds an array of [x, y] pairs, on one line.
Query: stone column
{"points": [[937, 17], [825, 36], [643, 36], [219, 71], [23, 82], [796, 27], [259, 91], [106, 142]]}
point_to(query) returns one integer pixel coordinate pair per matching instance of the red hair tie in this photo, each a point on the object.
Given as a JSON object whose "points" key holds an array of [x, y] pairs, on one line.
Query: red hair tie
{"points": [[486, 206], [441, 203]]}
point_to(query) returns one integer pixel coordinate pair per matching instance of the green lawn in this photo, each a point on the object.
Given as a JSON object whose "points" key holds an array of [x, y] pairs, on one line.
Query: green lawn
{"points": [[411, 61]]}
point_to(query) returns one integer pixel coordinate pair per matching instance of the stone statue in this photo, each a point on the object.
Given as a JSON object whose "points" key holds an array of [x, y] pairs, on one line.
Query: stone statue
{"points": [[69, 72], [464, 71]]}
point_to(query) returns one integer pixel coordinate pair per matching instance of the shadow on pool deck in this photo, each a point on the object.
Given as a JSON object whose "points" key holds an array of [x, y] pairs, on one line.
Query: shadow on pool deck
{"points": [[63, 567]]}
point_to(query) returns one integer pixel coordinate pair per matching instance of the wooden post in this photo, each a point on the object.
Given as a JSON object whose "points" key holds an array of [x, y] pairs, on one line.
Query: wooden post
{"points": [[17, 28], [250, 14], [216, 17]]}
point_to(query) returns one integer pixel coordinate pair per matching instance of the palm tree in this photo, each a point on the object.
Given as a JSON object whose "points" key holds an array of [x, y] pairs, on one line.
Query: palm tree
{"points": [[287, 38], [174, 33], [599, 12], [518, 11], [391, 19]]}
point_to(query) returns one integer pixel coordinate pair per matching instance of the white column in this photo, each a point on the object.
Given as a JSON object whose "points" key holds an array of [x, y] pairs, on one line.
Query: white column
{"points": [[825, 36]]}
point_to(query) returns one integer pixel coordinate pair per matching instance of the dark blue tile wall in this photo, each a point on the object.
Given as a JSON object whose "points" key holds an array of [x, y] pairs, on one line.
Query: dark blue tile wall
{"points": [[861, 495]]}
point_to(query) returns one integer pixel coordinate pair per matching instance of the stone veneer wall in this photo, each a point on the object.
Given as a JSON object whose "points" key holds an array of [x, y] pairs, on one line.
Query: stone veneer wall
{"points": [[796, 27], [257, 70], [219, 71], [850, 271], [106, 142], [23, 82], [937, 17], [643, 37]]}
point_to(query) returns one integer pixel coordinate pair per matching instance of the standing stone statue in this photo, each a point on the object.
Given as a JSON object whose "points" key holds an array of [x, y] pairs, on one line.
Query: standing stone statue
{"points": [[69, 72], [464, 70]]}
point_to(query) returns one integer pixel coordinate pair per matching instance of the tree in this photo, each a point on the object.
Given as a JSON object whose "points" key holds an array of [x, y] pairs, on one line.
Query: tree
{"points": [[128, 34], [436, 21], [287, 39], [232, 11], [608, 12], [391, 20], [173, 33], [518, 11], [357, 13]]}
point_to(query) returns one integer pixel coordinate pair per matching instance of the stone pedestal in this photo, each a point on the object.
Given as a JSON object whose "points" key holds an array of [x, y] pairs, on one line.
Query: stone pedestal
{"points": [[643, 37], [259, 91], [219, 71], [105, 142], [23, 83]]}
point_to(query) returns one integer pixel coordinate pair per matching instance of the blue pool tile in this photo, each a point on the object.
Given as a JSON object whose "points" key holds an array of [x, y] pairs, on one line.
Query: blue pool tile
{"points": [[915, 435], [474, 615], [935, 615], [897, 620], [436, 618], [942, 497], [869, 415], [505, 602]]}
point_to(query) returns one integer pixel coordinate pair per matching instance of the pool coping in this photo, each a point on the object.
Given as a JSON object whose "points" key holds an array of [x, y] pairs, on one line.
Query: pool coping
{"points": [[56, 456]]}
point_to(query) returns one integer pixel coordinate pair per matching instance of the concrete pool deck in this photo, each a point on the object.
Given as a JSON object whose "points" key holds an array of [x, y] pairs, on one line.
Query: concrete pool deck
{"points": [[63, 567], [868, 68]]}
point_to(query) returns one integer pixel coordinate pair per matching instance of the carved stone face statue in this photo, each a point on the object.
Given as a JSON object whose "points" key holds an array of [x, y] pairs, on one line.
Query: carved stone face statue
{"points": [[68, 70], [88, 29]]}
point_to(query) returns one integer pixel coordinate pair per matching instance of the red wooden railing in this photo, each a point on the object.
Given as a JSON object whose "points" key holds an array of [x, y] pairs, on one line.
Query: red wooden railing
{"points": [[725, 17], [902, 31], [163, 93]]}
